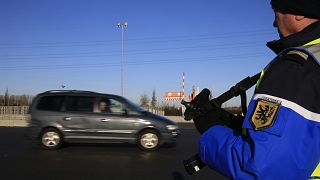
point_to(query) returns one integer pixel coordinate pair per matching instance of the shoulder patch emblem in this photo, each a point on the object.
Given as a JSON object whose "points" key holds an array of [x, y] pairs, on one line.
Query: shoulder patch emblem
{"points": [[264, 114]]}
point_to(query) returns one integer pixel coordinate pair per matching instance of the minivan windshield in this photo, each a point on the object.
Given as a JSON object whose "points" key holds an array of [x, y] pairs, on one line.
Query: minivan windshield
{"points": [[134, 106]]}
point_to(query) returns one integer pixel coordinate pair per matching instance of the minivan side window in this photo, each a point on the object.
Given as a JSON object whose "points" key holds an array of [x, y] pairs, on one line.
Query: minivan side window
{"points": [[116, 107], [51, 103], [110, 106], [79, 103]]}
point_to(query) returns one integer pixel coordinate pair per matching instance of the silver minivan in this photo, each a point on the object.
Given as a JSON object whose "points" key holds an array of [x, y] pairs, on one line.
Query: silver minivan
{"points": [[90, 117]]}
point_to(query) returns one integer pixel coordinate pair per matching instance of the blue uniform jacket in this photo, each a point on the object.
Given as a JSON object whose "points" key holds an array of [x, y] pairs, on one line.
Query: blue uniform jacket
{"points": [[282, 125]]}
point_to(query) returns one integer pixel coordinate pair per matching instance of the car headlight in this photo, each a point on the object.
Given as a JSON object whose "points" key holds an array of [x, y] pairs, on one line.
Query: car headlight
{"points": [[171, 127]]}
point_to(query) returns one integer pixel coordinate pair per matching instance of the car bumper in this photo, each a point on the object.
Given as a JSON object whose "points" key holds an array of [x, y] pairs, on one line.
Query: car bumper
{"points": [[171, 136]]}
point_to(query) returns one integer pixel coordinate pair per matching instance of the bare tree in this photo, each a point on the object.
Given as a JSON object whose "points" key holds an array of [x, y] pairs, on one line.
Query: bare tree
{"points": [[29, 98], [23, 100], [1, 100], [6, 98], [144, 100], [15, 100], [153, 99], [12, 100]]}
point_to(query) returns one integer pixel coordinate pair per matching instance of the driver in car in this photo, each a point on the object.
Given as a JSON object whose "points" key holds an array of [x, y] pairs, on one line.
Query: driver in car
{"points": [[104, 106]]}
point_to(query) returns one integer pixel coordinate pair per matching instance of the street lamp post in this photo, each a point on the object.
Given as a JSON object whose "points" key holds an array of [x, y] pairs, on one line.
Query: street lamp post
{"points": [[122, 26]]}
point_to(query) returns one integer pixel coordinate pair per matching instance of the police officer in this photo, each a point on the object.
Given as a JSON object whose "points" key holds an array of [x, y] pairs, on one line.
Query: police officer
{"points": [[281, 131]]}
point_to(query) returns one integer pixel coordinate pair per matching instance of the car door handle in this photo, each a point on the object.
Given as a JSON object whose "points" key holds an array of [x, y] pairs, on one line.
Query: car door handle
{"points": [[105, 120], [67, 118]]}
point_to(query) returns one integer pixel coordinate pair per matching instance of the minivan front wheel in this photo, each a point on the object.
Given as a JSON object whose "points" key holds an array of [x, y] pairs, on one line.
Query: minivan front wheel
{"points": [[149, 140], [51, 139]]}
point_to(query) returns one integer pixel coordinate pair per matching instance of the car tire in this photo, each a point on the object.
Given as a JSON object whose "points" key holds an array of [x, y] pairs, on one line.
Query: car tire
{"points": [[51, 139], [149, 140]]}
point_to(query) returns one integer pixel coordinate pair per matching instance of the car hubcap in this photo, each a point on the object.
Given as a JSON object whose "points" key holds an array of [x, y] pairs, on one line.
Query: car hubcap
{"points": [[50, 139], [149, 140]]}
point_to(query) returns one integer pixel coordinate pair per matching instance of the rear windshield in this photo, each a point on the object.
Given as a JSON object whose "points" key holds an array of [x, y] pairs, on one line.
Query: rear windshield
{"points": [[51, 103]]}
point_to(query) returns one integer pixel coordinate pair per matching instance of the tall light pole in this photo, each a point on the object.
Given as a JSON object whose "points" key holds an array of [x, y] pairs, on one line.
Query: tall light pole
{"points": [[122, 26]]}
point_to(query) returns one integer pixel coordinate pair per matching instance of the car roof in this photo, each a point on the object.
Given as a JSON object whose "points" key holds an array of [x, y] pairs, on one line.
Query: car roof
{"points": [[76, 92]]}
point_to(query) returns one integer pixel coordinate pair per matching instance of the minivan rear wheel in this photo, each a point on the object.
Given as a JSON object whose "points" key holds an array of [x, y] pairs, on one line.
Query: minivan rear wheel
{"points": [[149, 140], [51, 138]]}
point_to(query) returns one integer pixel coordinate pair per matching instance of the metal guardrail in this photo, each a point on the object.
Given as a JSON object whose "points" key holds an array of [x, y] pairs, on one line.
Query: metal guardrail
{"points": [[157, 111], [13, 117], [13, 112]]}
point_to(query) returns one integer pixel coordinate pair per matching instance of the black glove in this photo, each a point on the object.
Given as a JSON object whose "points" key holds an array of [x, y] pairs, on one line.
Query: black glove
{"points": [[216, 116]]}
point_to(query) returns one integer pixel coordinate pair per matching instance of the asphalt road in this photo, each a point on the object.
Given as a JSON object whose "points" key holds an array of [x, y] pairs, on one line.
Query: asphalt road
{"points": [[21, 158]]}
